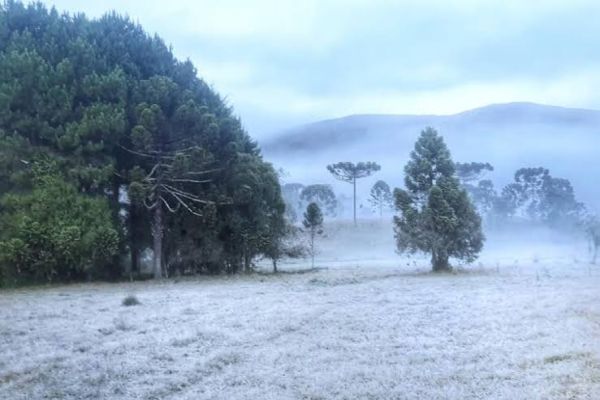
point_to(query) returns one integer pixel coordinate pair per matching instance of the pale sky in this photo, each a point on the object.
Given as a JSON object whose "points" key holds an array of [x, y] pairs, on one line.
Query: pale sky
{"points": [[281, 63]]}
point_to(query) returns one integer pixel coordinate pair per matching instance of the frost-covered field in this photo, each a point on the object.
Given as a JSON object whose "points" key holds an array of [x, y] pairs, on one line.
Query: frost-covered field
{"points": [[516, 325]]}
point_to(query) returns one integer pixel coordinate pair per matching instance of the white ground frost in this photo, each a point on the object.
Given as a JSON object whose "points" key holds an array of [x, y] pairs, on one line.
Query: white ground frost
{"points": [[518, 324]]}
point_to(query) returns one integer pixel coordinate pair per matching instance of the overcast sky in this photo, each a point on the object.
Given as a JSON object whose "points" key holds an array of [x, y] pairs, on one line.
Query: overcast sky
{"points": [[281, 63]]}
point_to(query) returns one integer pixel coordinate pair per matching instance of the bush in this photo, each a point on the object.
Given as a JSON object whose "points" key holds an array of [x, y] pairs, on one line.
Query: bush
{"points": [[54, 233], [130, 301]]}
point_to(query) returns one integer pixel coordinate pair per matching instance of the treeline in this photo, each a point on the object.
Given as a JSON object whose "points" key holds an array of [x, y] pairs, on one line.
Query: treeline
{"points": [[463, 196], [443, 204], [297, 197], [102, 130], [534, 196], [113, 152]]}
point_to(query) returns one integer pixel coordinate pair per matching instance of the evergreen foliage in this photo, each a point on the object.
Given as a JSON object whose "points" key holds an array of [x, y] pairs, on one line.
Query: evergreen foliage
{"points": [[481, 191], [542, 198], [53, 233], [322, 195], [381, 197], [469, 173], [350, 172], [313, 222], [103, 101], [436, 214]]}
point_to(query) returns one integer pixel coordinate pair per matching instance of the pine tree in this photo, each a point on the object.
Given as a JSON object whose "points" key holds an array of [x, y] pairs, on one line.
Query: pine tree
{"points": [[313, 221], [540, 197], [86, 93], [436, 214], [53, 233], [381, 197], [350, 172], [472, 172]]}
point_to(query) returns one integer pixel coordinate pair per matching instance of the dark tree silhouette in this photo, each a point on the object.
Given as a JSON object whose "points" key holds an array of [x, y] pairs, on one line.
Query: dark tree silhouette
{"points": [[350, 172], [166, 188], [381, 196], [436, 214], [321, 194], [313, 221]]}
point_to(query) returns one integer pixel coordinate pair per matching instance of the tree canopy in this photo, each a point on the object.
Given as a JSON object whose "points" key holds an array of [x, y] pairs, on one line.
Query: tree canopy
{"points": [[539, 197], [103, 101], [313, 222], [322, 195], [53, 233], [381, 197], [350, 172], [435, 214]]}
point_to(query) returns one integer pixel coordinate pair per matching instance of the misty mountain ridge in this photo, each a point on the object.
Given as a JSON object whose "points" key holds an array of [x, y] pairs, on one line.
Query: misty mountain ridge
{"points": [[509, 136], [344, 130]]}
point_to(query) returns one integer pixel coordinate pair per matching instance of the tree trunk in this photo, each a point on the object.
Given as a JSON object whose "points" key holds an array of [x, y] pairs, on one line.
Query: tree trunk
{"points": [[354, 184], [135, 258], [133, 221], [274, 266], [312, 247], [439, 261], [246, 263], [157, 235], [116, 270]]}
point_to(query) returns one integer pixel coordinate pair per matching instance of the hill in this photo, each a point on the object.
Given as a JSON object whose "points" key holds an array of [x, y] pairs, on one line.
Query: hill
{"points": [[509, 136]]}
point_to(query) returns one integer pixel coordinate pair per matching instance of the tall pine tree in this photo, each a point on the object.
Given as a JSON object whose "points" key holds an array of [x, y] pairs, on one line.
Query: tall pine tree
{"points": [[435, 214]]}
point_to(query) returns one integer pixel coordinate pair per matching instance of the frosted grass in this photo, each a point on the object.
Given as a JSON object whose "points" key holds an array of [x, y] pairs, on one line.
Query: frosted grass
{"points": [[524, 325]]}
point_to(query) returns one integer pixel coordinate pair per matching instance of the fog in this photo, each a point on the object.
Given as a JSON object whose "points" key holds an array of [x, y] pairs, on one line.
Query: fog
{"points": [[508, 136], [518, 247], [145, 252]]}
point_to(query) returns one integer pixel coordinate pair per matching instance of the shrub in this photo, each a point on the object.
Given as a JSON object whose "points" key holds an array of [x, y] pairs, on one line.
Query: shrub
{"points": [[54, 233], [130, 301]]}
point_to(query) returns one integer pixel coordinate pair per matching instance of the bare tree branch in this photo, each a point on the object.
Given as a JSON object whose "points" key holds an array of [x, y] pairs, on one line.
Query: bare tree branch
{"points": [[150, 206], [183, 203], [166, 203], [208, 171], [153, 170], [188, 180], [137, 153], [186, 195]]}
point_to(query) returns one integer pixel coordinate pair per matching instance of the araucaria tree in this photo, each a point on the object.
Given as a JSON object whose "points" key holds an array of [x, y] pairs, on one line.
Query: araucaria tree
{"points": [[167, 188], [435, 214], [313, 221], [350, 172], [381, 197], [540, 197], [481, 191]]}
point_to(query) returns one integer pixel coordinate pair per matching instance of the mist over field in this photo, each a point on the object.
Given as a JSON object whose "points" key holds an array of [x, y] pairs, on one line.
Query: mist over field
{"points": [[508, 136], [314, 200], [522, 323]]}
